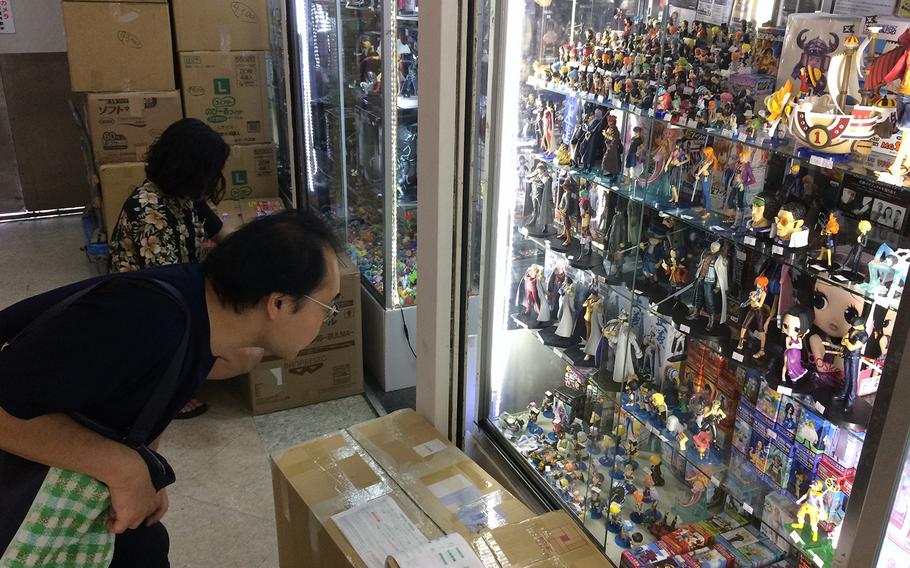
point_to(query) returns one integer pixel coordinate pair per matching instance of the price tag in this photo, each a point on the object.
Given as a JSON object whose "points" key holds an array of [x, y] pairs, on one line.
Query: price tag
{"points": [[597, 245], [663, 438], [822, 162], [691, 123], [685, 328], [817, 267], [651, 112], [715, 481], [600, 98], [741, 255], [777, 249], [772, 435], [786, 391], [737, 356], [840, 278], [523, 231], [728, 133], [547, 469], [595, 489], [687, 217], [819, 407], [794, 536], [817, 560], [750, 241], [571, 257], [748, 508]]}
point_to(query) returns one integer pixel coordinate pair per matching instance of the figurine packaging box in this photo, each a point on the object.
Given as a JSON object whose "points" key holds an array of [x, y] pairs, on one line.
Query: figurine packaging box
{"points": [[723, 522], [710, 557], [778, 512], [814, 432], [780, 461], [882, 204], [654, 554], [686, 539], [787, 418], [891, 29], [769, 43], [744, 481], [768, 403], [810, 41], [742, 434], [802, 470]]}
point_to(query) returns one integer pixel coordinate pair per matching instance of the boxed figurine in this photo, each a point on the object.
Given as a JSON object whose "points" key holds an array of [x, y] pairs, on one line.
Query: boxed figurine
{"points": [[742, 434], [828, 468], [768, 403], [758, 448], [802, 470], [809, 43], [686, 539], [778, 512], [568, 404], [780, 460], [787, 417], [750, 547], [654, 554], [723, 522], [891, 29], [743, 481], [814, 432], [711, 557], [769, 42]]}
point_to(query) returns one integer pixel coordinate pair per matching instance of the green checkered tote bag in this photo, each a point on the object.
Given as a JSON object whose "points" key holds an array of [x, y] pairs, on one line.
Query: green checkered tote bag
{"points": [[66, 526]]}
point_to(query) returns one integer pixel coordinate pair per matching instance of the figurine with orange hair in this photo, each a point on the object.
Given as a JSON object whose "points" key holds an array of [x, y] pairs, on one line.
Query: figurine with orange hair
{"points": [[829, 244], [706, 170], [756, 315]]}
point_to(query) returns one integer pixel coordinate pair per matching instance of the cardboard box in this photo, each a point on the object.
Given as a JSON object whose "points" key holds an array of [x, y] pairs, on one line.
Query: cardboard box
{"points": [[252, 209], [124, 125], [552, 539], [221, 25], [453, 490], [331, 367], [321, 478], [119, 46], [251, 171], [229, 92], [117, 183]]}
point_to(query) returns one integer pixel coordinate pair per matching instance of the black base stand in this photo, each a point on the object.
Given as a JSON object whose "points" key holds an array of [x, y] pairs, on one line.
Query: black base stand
{"points": [[550, 339], [585, 262], [541, 234]]}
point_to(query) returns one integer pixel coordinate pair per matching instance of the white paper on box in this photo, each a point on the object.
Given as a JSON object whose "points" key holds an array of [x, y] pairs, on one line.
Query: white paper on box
{"points": [[474, 510], [429, 448], [278, 374], [378, 529], [450, 551]]}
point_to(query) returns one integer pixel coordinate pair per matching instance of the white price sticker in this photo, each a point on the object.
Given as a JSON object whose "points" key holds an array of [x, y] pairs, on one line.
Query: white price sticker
{"points": [[748, 508], [786, 391], [772, 435], [741, 255], [817, 560], [817, 267], [737, 356], [840, 277], [429, 448], [691, 123], [547, 469], [595, 489], [651, 112], [777, 249], [684, 328], [750, 241], [794, 536], [571, 257], [523, 231], [822, 162], [598, 245], [687, 217], [819, 407], [600, 99], [715, 481], [663, 438]]}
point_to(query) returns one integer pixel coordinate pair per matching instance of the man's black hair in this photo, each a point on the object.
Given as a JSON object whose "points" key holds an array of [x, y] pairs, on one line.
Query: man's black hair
{"points": [[796, 208], [283, 253], [186, 161]]}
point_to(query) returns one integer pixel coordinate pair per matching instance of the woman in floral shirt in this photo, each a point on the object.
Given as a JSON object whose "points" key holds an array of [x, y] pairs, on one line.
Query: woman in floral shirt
{"points": [[166, 219]]}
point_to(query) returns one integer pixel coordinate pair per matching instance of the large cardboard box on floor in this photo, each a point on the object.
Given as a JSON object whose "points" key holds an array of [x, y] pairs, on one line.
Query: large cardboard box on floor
{"points": [[552, 539], [331, 367], [321, 478], [117, 183], [252, 171], [119, 46], [229, 92], [124, 125], [221, 25], [454, 491]]}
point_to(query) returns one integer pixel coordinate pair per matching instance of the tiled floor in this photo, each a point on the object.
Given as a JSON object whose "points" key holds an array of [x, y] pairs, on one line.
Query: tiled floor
{"points": [[221, 511]]}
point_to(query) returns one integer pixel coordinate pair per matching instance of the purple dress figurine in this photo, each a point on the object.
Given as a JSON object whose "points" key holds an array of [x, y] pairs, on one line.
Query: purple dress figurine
{"points": [[795, 325]]}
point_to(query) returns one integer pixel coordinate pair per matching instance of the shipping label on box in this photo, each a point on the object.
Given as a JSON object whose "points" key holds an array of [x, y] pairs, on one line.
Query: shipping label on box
{"points": [[221, 25], [252, 171], [124, 125], [229, 92], [119, 46]]}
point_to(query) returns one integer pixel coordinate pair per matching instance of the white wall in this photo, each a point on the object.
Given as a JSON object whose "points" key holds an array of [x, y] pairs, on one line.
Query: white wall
{"points": [[39, 28]]}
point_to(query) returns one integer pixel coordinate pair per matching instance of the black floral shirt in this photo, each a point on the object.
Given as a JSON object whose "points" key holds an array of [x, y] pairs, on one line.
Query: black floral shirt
{"points": [[157, 230]]}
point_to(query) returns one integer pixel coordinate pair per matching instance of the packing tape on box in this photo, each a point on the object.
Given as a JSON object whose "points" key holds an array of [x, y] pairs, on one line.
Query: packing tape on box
{"points": [[141, 153], [137, 105]]}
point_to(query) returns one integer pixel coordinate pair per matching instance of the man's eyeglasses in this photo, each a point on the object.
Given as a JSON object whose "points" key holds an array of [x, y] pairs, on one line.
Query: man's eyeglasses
{"points": [[331, 310]]}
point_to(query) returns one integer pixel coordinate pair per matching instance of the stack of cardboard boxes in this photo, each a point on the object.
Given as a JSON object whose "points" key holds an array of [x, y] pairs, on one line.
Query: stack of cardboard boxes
{"points": [[121, 55]]}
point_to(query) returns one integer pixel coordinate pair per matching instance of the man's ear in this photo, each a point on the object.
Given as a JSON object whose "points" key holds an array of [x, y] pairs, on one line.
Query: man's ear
{"points": [[274, 302]]}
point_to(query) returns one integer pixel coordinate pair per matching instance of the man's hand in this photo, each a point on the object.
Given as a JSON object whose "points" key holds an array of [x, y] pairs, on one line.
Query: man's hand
{"points": [[163, 505], [133, 497]]}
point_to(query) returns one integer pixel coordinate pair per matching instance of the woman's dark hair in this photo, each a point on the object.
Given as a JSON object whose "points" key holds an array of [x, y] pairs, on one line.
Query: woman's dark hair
{"points": [[186, 161], [805, 316], [283, 253]]}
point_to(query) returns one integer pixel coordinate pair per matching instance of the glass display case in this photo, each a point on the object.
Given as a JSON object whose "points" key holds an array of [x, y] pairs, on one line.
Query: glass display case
{"points": [[356, 66], [692, 253], [896, 542]]}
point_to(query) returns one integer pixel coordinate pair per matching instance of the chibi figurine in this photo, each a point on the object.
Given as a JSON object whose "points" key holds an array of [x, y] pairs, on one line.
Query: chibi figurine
{"points": [[834, 307], [706, 170], [854, 343], [710, 276], [813, 506], [795, 325], [756, 314], [829, 240]]}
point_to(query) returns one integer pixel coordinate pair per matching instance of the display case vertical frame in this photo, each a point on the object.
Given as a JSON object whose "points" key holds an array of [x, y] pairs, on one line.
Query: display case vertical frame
{"points": [[390, 151], [298, 116], [881, 461], [286, 117], [342, 110]]}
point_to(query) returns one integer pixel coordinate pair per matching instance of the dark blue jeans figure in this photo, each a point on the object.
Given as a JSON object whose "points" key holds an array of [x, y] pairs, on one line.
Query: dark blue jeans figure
{"points": [[706, 192], [851, 371]]}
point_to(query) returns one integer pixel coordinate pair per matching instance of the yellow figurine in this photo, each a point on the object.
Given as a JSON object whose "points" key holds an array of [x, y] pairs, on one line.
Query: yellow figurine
{"points": [[778, 107], [813, 506]]}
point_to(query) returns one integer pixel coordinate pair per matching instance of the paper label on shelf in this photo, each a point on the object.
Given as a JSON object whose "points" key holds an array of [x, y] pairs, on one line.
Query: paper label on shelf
{"points": [[817, 560], [715, 481], [750, 241], [429, 448], [786, 391], [570, 257], [840, 278], [600, 99], [737, 356], [595, 489], [772, 435], [741, 255], [728, 133], [663, 438], [687, 217], [777, 249], [278, 373], [377, 529], [450, 551], [557, 352], [523, 231], [817, 267], [685, 328], [822, 162], [748, 508], [819, 407], [795, 537], [597, 245]]}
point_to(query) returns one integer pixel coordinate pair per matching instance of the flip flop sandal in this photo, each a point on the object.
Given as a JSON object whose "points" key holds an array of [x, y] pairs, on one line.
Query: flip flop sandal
{"points": [[198, 411]]}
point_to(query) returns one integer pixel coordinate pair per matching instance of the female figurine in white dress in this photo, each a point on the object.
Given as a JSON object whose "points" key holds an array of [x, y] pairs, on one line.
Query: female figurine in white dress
{"points": [[594, 314], [566, 326], [621, 342]]}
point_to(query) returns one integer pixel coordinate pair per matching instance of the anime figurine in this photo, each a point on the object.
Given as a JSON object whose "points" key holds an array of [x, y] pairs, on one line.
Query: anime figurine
{"points": [[547, 405], [593, 307], [738, 186], [636, 157], [854, 343], [888, 262], [706, 169], [566, 315], [656, 473], [567, 210], [615, 523], [535, 294], [789, 225], [549, 130], [702, 443], [892, 65], [677, 273], [710, 276], [674, 168], [829, 243], [709, 418], [851, 263], [756, 314], [795, 325], [813, 506], [619, 349], [541, 201], [612, 156], [764, 209], [834, 308], [652, 253], [592, 146], [563, 156], [584, 234], [678, 429], [660, 406]]}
